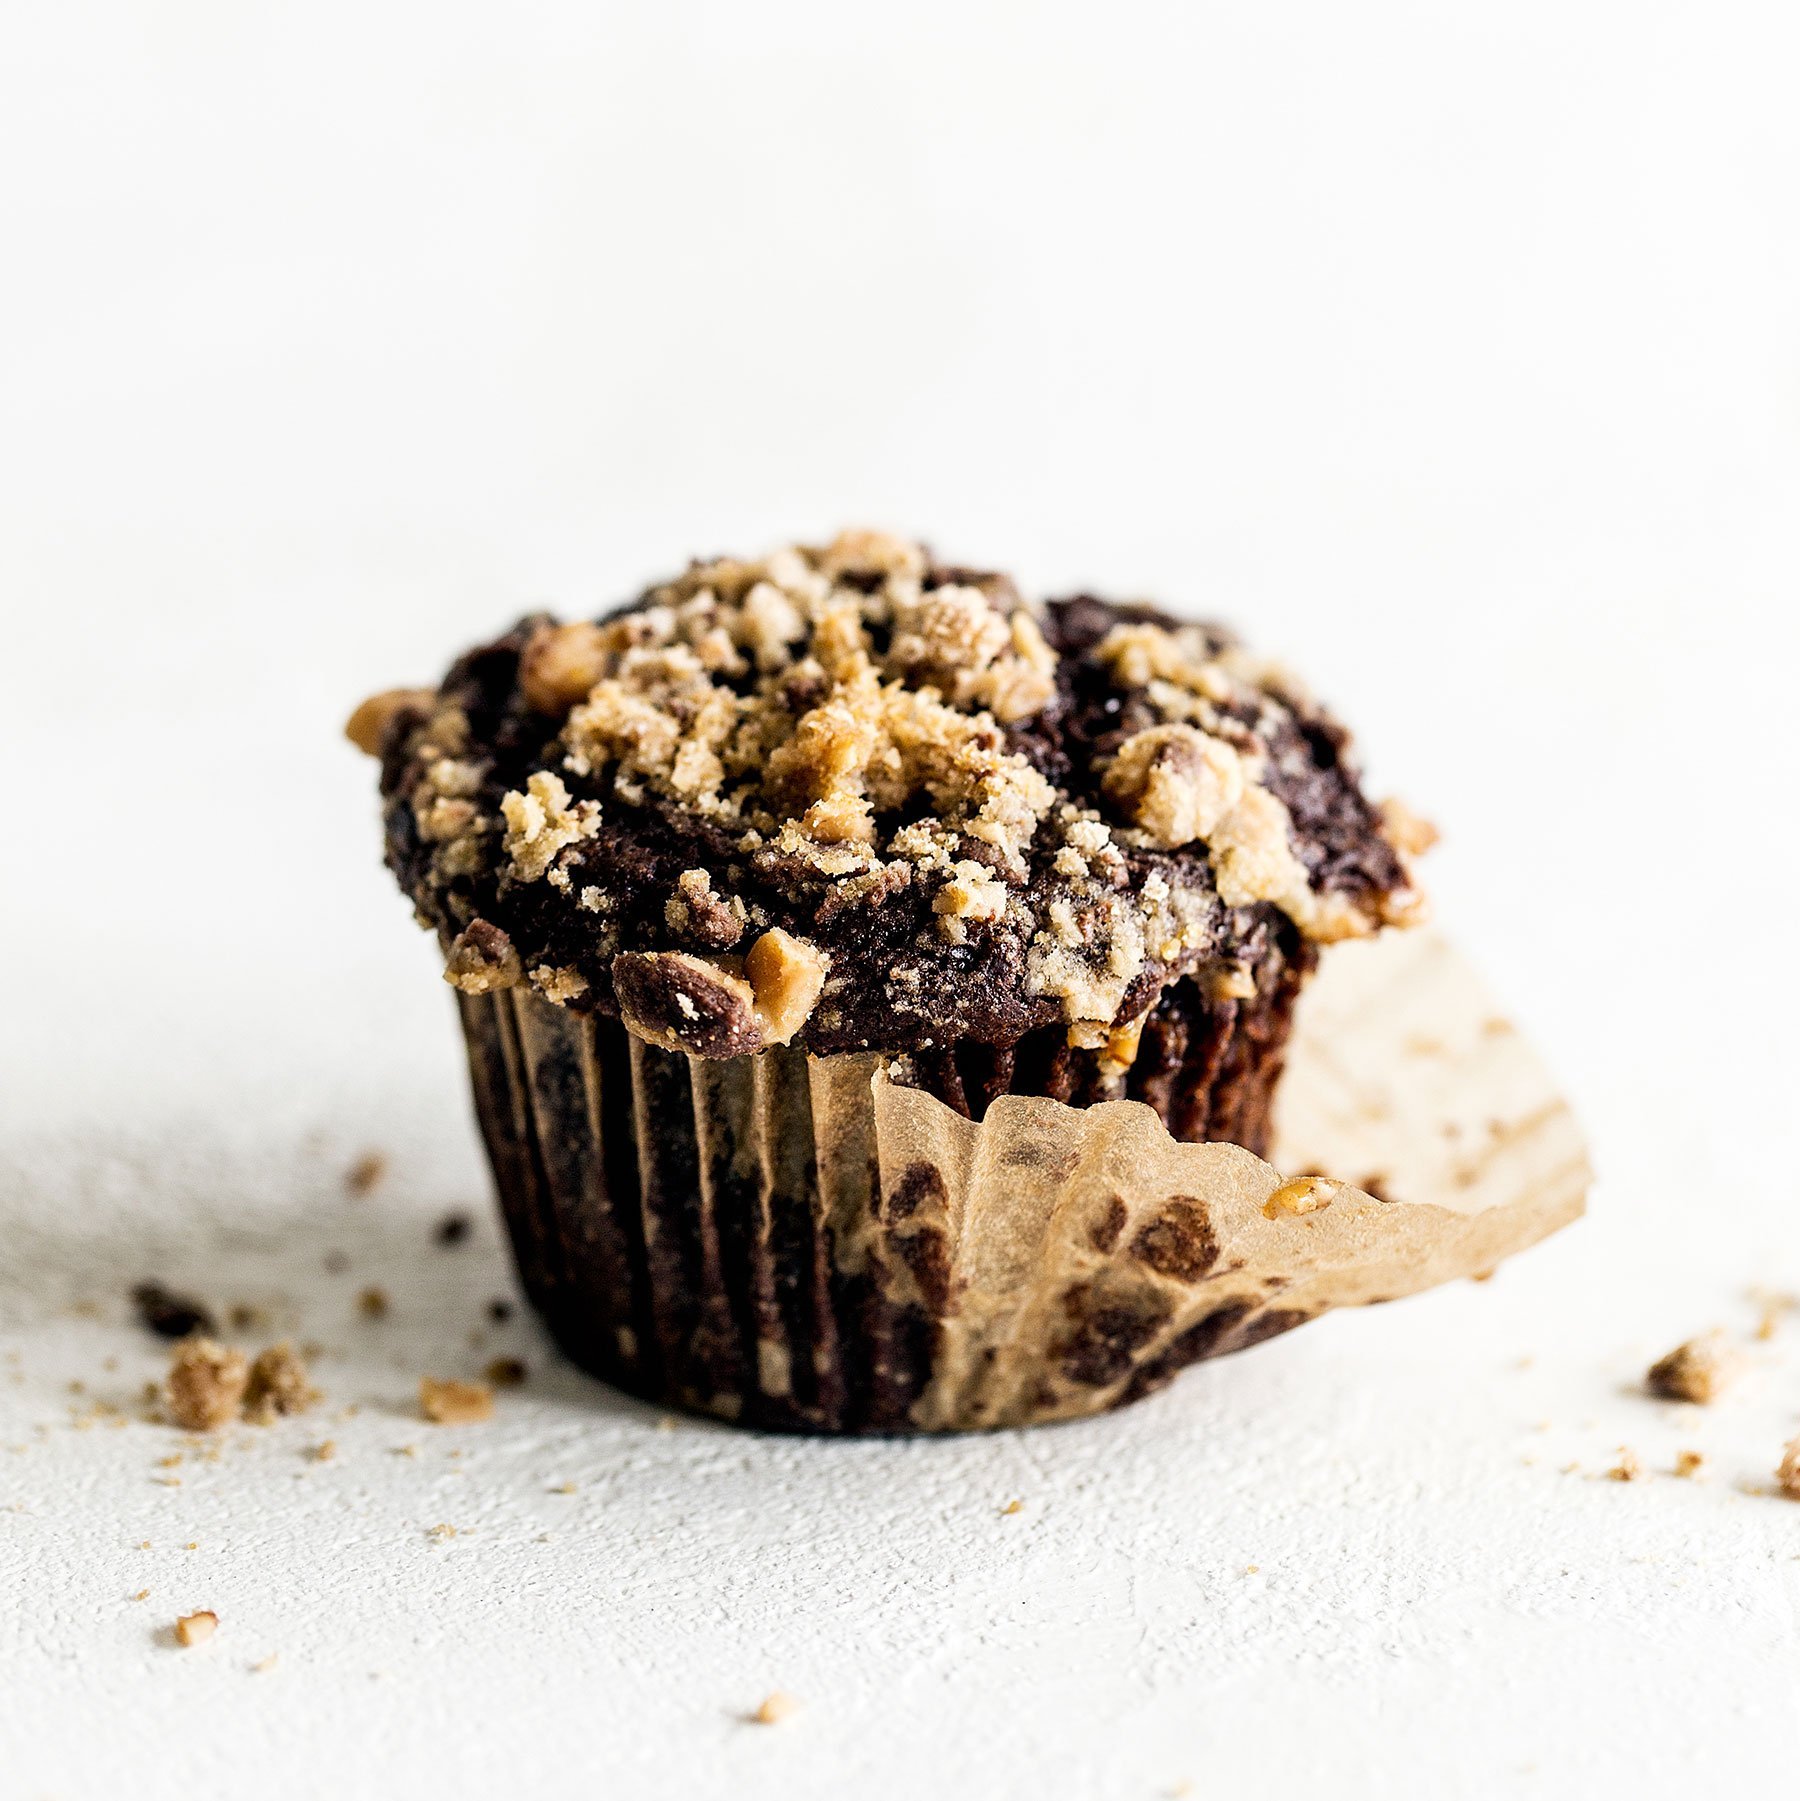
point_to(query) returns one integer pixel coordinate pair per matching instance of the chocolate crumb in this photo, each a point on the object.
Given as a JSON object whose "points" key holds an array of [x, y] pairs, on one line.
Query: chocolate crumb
{"points": [[775, 1708], [506, 1372], [1699, 1370], [205, 1386], [452, 1229], [447, 1403], [364, 1176], [500, 1311], [196, 1628], [171, 1315]]}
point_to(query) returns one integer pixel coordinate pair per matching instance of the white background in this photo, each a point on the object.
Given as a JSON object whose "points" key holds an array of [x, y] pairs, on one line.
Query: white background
{"points": [[1452, 351]]}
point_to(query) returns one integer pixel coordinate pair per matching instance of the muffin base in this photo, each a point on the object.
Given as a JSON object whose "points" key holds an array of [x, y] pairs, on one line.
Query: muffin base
{"points": [[711, 1235]]}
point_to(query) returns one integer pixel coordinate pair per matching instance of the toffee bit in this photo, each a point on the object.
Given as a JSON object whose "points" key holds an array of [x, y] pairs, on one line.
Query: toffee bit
{"points": [[170, 1315], [449, 1403], [776, 1707]]}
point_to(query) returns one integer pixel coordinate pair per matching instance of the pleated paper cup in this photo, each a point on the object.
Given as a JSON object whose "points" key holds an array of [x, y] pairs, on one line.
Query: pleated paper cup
{"points": [[812, 1244]]}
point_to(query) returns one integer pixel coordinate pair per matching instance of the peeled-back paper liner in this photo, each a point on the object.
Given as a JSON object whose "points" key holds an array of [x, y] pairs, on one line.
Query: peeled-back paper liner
{"points": [[803, 1243]]}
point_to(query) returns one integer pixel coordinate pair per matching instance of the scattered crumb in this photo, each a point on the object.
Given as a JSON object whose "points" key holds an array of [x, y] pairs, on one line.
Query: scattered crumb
{"points": [[1251, 1569], [196, 1628], [365, 1174], [171, 1315], [1688, 1463], [1787, 1472], [562, 1488], [246, 1318], [143, 1594], [452, 1229], [441, 1531], [324, 1452], [775, 1708], [1774, 1307], [506, 1372], [1699, 1370], [406, 1450], [264, 1664], [279, 1384], [336, 1262], [372, 1303], [500, 1311], [455, 1403], [1013, 1507], [667, 1423], [206, 1384], [1628, 1468]]}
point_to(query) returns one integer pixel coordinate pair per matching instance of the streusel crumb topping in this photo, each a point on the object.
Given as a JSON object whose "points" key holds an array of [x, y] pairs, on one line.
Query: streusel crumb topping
{"points": [[950, 812]]}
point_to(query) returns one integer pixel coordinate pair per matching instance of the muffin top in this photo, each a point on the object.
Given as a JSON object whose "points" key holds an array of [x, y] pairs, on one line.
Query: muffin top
{"points": [[850, 798]]}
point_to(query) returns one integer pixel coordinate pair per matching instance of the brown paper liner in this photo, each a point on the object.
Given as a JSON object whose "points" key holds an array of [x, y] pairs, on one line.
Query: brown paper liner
{"points": [[804, 1244]]}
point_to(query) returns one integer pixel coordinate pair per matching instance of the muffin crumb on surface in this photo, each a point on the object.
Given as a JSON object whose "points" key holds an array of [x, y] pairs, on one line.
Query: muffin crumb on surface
{"points": [[279, 1384], [1699, 1370], [1628, 1468], [196, 1628], [205, 1385]]}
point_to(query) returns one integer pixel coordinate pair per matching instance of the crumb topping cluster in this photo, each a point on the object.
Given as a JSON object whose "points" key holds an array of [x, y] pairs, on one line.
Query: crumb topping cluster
{"points": [[1081, 802]]}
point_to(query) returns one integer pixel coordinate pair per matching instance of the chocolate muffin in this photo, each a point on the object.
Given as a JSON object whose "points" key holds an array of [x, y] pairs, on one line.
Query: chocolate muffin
{"points": [[708, 867]]}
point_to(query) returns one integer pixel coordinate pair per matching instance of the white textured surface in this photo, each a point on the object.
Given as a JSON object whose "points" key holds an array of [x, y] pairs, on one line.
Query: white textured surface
{"points": [[1450, 352]]}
